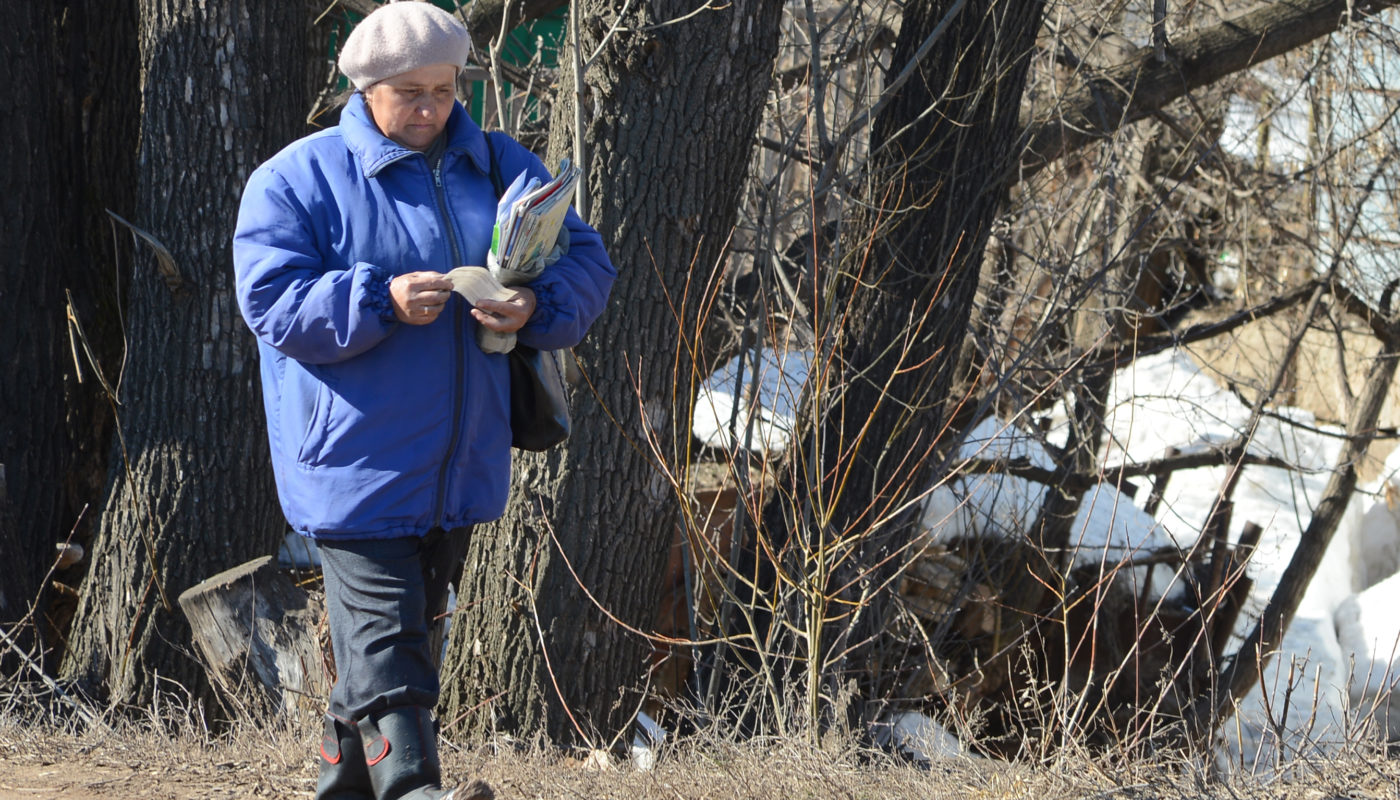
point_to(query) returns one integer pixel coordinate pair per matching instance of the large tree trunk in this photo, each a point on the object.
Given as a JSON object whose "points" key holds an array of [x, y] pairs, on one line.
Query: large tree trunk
{"points": [[900, 312], [69, 95], [33, 438], [896, 313], [190, 490], [673, 110]]}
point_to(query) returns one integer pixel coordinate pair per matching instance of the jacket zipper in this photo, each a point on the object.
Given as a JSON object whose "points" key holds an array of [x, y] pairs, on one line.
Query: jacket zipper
{"points": [[457, 348]]}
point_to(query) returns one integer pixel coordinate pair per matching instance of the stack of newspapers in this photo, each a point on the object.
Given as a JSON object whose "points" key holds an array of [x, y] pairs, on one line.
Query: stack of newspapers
{"points": [[528, 219]]}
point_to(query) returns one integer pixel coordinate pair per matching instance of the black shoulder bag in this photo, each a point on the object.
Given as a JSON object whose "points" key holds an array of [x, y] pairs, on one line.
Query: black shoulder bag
{"points": [[539, 400]]}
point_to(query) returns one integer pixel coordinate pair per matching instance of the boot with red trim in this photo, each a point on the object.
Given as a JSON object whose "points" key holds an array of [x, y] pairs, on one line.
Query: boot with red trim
{"points": [[401, 754], [344, 775]]}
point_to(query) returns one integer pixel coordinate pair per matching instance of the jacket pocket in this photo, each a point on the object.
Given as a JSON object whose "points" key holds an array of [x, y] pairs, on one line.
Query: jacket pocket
{"points": [[306, 408], [315, 439]]}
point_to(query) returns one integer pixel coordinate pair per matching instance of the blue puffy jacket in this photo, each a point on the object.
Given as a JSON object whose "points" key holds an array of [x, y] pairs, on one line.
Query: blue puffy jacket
{"points": [[380, 429]]}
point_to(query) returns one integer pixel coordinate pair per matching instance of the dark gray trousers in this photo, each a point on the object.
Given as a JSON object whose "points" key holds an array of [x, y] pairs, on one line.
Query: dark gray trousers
{"points": [[385, 600]]}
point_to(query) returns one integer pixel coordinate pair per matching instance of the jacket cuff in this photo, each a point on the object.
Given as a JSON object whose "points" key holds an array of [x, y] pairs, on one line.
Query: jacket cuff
{"points": [[546, 299], [376, 294]]}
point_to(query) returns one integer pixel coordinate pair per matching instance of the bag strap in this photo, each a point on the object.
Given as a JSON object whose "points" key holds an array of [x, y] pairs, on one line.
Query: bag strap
{"points": [[497, 182]]}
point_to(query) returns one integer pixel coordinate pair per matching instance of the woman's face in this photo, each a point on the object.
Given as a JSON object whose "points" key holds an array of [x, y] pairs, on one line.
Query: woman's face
{"points": [[411, 108]]}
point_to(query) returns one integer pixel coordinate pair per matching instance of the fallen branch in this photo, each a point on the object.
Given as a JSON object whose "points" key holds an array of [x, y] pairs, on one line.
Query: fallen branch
{"points": [[1227, 454]]}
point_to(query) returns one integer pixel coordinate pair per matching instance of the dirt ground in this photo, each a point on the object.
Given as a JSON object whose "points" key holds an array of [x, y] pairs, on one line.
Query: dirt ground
{"points": [[138, 762], [43, 762]]}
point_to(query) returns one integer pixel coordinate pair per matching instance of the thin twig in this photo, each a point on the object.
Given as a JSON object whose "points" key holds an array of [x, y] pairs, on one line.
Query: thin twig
{"points": [[82, 710]]}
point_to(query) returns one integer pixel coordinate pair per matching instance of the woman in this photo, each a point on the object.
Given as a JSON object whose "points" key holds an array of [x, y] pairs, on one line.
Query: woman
{"points": [[388, 424]]}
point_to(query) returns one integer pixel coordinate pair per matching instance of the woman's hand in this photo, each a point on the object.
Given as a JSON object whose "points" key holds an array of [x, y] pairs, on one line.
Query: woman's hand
{"points": [[506, 316], [419, 297]]}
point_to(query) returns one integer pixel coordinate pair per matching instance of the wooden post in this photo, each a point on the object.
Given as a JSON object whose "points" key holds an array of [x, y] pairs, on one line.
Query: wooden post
{"points": [[1237, 585], [256, 630]]}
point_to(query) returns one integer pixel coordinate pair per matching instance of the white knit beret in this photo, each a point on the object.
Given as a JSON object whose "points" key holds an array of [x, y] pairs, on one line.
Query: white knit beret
{"points": [[399, 37]]}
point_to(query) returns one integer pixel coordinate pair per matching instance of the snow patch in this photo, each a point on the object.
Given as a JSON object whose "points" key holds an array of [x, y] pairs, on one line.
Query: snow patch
{"points": [[731, 400]]}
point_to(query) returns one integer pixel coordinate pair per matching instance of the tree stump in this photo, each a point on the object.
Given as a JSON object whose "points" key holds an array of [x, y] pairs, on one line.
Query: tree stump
{"points": [[256, 631]]}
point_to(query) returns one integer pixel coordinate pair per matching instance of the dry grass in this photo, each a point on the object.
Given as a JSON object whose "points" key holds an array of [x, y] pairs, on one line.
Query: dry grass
{"points": [[172, 756]]}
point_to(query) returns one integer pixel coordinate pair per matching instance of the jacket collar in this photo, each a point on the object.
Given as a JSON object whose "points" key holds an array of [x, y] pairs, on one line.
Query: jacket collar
{"points": [[375, 151]]}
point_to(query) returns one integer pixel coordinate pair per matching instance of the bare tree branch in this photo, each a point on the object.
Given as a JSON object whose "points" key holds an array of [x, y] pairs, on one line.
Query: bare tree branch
{"points": [[1229, 453], [1375, 319], [1116, 356], [1134, 90], [879, 38], [482, 17]]}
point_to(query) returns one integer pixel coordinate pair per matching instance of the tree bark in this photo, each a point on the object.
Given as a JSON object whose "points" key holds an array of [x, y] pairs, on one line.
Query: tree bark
{"points": [[33, 438], [671, 114], [71, 79], [903, 301], [189, 491]]}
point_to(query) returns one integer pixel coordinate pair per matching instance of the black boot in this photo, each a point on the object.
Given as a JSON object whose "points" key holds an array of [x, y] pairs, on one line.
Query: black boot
{"points": [[344, 775], [401, 753]]}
